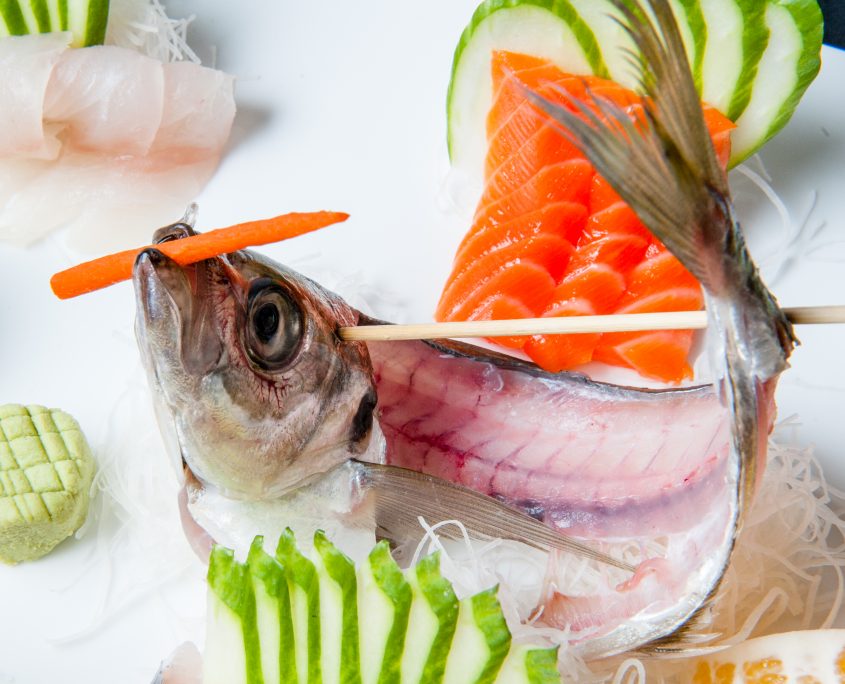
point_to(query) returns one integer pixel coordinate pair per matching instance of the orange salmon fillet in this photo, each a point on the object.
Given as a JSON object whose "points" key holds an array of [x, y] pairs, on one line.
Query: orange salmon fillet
{"points": [[550, 237]]}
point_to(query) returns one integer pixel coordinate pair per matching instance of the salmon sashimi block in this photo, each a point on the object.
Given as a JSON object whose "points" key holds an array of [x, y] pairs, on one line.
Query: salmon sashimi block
{"points": [[541, 192], [566, 181], [544, 249], [529, 282], [566, 219]]}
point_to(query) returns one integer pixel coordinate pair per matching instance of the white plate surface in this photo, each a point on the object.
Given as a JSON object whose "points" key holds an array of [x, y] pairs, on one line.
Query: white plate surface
{"points": [[341, 106]]}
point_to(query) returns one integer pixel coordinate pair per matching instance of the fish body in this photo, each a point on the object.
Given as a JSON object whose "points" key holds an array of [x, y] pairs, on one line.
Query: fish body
{"points": [[276, 420], [588, 458]]}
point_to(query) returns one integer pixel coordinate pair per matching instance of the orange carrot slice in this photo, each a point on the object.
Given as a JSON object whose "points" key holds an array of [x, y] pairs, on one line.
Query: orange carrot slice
{"points": [[107, 270]]}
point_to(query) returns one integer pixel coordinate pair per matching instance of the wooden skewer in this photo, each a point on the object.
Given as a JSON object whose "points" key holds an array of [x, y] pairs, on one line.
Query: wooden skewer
{"points": [[670, 320]]}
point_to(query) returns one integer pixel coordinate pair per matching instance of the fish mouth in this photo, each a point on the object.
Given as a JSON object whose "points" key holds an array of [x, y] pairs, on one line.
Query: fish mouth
{"points": [[176, 321]]}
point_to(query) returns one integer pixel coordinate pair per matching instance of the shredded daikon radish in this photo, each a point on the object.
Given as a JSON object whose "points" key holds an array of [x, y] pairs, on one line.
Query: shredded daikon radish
{"points": [[143, 25], [798, 239], [138, 547]]}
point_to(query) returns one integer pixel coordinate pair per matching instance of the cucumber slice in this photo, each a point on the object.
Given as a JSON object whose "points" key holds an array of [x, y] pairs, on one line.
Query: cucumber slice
{"points": [[788, 66], [273, 615], [736, 39], [232, 650], [85, 19], [384, 596], [432, 621], [304, 589], [481, 643], [527, 664], [292, 620], [341, 661], [544, 28], [751, 59], [602, 18]]}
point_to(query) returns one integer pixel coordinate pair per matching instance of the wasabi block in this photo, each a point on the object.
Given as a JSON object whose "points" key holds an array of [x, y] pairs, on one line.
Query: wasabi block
{"points": [[46, 471]]}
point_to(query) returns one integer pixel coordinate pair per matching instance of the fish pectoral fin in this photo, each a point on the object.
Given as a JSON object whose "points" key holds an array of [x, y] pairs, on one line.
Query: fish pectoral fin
{"points": [[400, 497]]}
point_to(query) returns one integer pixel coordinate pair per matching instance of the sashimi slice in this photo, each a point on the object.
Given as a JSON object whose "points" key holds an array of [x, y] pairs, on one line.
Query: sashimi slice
{"points": [[616, 219], [556, 352], [517, 163], [198, 110], [565, 219], [544, 249], [602, 195], [567, 181], [620, 251], [531, 281], [26, 63], [106, 99], [588, 291], [661, 355], [502, 307]]}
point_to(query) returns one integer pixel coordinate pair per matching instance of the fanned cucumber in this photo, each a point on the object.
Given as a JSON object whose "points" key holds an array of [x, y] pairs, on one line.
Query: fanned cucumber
{"points": [[270, 619], [339, 637], [232, 650], [433, 620], [304, 589], [788, 66], [85, 19], [751, 59], [272, 615]]}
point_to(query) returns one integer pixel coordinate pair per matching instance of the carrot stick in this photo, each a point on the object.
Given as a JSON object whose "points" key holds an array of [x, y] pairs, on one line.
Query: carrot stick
{"points": [[107, 270]]}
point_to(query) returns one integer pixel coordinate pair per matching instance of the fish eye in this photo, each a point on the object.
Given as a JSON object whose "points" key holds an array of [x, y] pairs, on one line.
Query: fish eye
{"points": [[274, 325]]}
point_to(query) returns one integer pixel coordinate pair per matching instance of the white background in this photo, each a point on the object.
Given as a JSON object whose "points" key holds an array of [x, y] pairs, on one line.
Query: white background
{"points": [[341, 106]]}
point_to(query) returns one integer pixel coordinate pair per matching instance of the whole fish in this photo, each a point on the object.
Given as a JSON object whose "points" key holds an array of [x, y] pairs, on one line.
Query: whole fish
{"points": [[277, 421]]}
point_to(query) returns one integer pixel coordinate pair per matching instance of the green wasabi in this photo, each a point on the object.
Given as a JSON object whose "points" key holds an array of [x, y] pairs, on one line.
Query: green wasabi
{"points": [[46, 471]]}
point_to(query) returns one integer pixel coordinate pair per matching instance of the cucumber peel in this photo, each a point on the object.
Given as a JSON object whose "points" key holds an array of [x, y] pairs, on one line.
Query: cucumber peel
{"points": [[85, 19], [232, 612], [750, 59], [273, 615], [315, 617], [304, 589], [341, 661]]}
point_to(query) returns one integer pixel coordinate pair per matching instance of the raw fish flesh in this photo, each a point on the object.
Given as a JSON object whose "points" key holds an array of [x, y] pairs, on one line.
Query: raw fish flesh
{"points": [[114, 140]]}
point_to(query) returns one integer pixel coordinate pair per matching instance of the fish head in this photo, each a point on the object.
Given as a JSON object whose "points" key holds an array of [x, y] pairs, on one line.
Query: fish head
{"points": [[254, 390]]}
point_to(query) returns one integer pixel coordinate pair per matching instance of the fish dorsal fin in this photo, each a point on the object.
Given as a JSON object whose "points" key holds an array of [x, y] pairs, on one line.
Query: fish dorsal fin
{"points": [[401, 496]]}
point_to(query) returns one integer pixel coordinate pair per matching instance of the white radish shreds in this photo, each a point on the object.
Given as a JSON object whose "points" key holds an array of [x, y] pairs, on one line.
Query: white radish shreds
{"points": [[144, 26], [138, 550], [797, 239]]}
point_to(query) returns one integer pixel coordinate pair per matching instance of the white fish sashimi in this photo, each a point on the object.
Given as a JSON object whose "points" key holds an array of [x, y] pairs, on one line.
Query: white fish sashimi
{"points": [[26, 63], [123, 142], [106, 99], [198, 110]]}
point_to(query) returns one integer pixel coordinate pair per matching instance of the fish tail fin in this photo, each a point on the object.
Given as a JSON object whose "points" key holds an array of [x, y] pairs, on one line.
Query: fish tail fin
{"points": [[401, 496], [665, 166]]}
